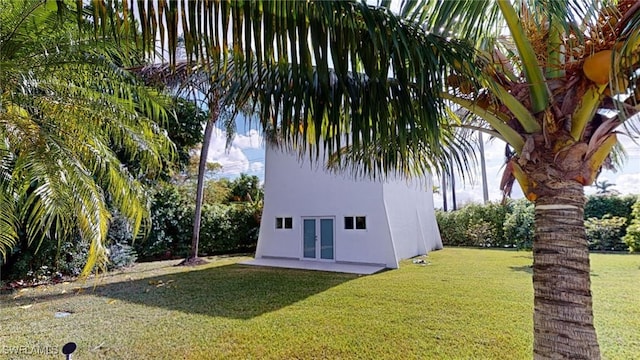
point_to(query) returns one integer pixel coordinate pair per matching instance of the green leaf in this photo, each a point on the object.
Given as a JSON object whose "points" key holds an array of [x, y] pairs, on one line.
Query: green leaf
{"points": [[509, 135], [521, 113], [533, 72]]}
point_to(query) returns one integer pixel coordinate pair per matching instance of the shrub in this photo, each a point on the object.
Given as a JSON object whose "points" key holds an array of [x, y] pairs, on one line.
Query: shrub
{"points": [[487, 219], [479, 233], [52, 260], [121, 256], [171, 225], [513, 225], [451, 231], [632, 238], [473, 225], [216, 233], [228, 228], [605, 233], [597, 206], [48, 261], [519, 224], [245, 219], [120, 229], [224, 228]]}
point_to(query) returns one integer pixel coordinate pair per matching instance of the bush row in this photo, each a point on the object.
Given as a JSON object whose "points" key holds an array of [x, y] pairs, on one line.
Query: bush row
{"points": [[51, 261], [632, 238], [225, 227], [611, 223]]}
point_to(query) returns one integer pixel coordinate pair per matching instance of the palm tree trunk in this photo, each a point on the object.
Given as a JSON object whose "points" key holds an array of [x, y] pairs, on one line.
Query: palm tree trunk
{"points": [[454, 205], [197, 217], [563, 315], [483, 169], [444, 192], [214, 108]]}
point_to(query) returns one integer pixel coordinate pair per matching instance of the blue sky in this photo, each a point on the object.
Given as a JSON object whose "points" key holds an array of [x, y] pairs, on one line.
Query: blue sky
{"points": [[627, 179], [246, 155]]}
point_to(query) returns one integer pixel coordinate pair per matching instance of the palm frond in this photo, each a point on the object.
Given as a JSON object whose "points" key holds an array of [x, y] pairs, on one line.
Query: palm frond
{"points": [[66, 108]]}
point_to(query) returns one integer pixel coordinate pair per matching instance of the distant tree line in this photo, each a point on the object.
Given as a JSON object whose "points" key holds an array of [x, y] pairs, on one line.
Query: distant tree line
{"points": [[612, 223]]}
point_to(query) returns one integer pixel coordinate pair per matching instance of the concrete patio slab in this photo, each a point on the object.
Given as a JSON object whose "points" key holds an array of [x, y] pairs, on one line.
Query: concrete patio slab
{"points": [[350, 268]]}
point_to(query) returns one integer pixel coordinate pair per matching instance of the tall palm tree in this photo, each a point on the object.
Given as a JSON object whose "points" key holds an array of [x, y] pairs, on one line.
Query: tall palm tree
{"points": [[543, 90], [207, 88], [67, 111], [603, 187], [444, 192], [540, 74], [483, 169]]}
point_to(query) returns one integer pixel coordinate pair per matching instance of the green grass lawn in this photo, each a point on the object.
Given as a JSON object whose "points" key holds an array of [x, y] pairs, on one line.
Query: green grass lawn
{"points": [[464, 304]]}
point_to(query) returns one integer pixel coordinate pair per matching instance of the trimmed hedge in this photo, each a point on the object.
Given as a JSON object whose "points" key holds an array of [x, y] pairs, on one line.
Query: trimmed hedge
{"points": [[632, 238], [224, 228], [606, 233], [598, 206], [473, 225], [519, 224], [512, 224]]}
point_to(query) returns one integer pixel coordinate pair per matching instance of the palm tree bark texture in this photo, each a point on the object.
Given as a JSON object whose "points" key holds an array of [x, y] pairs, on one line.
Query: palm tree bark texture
{"points": [[563, 316]]}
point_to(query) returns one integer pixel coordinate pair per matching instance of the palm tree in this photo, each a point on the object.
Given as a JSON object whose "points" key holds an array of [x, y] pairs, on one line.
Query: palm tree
{"points": [[67, 111], [554, 79], [454, 201], [603, 187], [207, 88]]}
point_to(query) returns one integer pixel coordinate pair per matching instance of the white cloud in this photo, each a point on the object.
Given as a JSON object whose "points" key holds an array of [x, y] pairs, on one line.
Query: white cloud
{"points": [[626, 180], [627, 183], [246, 155], [256, 167], [494, 150], [251, 140], [233, 159]]}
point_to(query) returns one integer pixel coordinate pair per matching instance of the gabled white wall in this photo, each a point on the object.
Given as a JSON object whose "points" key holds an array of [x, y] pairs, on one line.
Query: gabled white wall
{"points": [[295, 188], [409, 209], [400, 219]]}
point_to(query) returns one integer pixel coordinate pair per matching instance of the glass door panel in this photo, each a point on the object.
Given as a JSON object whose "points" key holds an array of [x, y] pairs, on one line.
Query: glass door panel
{"points": [[326, 239], [309, 241]]}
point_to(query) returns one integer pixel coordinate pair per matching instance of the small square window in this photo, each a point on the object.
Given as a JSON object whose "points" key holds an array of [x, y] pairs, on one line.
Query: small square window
{"points": [[355, 222], [284, 223], [348, 222]]}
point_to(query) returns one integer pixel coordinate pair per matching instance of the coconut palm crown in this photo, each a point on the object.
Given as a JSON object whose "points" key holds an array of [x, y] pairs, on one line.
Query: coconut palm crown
{"points": [[557, 86]]}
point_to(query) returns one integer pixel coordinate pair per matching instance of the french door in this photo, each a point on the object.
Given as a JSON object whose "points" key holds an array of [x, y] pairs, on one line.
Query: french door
{"points": [[318, 238]]}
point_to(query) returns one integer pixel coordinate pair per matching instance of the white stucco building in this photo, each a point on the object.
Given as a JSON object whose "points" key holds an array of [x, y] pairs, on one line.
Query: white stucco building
{"points": [[313, 219]]}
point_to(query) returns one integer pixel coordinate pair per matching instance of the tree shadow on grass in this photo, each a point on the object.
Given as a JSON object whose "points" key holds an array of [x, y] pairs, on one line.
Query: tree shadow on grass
{"points": [[526, 268], [529, 269], [233, 291]]}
